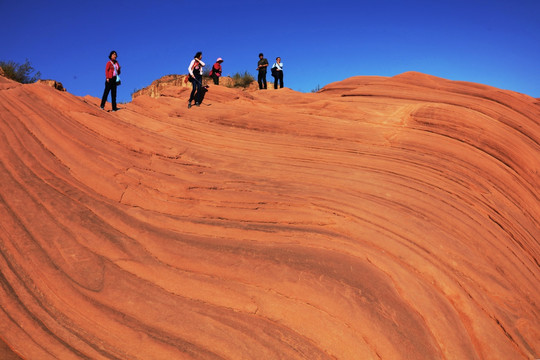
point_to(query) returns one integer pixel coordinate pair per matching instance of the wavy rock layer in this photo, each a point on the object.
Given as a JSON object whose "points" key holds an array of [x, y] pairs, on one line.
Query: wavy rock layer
{"points": [[381, 218]]}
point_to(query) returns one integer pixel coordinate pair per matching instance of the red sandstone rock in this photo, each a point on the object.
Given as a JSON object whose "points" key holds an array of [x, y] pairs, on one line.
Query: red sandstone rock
{"points": [[392, 218], [159, 86], [52, 83]]}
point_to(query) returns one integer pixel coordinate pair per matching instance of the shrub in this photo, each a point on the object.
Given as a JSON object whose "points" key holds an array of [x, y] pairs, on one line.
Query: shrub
{"points": [[244, 80], [20, 72], [206, 73]]}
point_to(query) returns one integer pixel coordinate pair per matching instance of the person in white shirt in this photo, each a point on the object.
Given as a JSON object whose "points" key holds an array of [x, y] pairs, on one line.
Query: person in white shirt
{"points": [[195, 70], [277, 73]]}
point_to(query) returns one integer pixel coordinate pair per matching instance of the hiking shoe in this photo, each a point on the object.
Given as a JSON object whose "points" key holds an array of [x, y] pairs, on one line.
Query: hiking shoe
{"points": [[189, 105], [197, 104]]}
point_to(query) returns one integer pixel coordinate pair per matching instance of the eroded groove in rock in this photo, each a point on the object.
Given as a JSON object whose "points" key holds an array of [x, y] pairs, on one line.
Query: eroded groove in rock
{"points": [[383, 218]]}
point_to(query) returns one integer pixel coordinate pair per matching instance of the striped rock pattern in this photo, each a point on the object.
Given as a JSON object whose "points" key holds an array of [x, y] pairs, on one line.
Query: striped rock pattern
{"points": [[380, 218]]}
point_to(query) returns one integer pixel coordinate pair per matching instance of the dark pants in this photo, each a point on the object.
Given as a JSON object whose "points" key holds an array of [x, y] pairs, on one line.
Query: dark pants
{"points": [[262, 79], [279, 76], [197, 83], [215, 78], [109, 86]]}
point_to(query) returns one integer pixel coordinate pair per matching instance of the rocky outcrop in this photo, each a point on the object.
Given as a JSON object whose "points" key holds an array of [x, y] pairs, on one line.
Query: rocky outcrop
{"points": [[2, 72], [381, 218], [159, 87], [52, 83], [155, 89]]}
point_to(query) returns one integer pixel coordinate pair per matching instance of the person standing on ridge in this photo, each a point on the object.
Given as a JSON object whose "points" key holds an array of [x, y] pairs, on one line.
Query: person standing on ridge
{"points": [[195, 70], [262, 66], [112, 80], [215, 73], [277, 73]]}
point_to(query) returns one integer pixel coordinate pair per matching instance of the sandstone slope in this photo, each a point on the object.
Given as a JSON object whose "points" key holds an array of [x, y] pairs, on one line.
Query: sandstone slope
{"points": [[381, 218]]}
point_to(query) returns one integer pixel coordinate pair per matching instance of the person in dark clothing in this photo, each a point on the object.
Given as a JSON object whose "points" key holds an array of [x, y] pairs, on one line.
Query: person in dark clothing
{"points": [[112, 70], [199, 96], [262, 66], [215, 73], [277, 73], [195, 76]]}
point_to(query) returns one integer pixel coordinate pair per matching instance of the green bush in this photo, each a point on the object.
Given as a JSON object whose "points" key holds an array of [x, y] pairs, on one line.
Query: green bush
{"points": [[20, 72], [206, 73], [244, 80]]}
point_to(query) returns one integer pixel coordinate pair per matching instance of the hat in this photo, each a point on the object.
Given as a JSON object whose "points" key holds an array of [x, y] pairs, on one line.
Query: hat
{"points": [[219, 59]]}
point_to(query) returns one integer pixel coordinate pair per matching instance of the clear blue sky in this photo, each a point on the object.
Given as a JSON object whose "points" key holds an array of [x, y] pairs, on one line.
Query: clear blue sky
{"points": [[320, 41]]}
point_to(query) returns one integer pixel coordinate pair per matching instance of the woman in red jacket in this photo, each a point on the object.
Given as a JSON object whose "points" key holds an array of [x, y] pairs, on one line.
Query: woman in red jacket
{"points": [[112, 70], [215, 73]]}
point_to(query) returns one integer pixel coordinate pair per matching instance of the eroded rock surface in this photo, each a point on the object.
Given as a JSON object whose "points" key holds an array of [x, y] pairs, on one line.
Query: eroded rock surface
{"points": [[381, 218]]}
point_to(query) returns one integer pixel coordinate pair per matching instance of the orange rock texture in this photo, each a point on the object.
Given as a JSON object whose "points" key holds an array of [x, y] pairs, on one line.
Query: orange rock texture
{"points": [[158, 86], [380, 218]]}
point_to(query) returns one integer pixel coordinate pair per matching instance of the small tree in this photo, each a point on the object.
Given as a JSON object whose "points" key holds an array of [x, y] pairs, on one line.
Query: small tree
{"points": [[206, 72], [20, 72]]}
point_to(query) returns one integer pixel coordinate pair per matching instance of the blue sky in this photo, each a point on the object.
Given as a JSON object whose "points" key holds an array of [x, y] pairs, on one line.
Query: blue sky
{"points": [[491, 42]]}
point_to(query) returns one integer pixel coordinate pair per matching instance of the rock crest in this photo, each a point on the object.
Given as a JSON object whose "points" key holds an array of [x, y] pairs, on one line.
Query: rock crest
{"points": [[155, 89], [52, 83]]}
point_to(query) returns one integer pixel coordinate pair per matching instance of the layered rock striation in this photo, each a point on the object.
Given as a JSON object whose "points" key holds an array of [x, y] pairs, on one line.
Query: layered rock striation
{"points": [[381, 218]]}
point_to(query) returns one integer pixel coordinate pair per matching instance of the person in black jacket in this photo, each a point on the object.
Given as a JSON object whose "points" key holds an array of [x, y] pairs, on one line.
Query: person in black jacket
{"points": [[262, 66]]}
